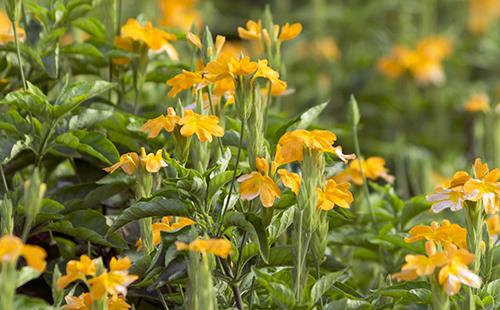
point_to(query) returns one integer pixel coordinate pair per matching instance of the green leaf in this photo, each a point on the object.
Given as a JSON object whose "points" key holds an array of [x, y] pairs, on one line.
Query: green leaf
{"points": [[74, 94], [252, 225], [32, 100], [25, 275], [85, 49], [216, 184], [347, 304], [324, 284], [93, 144], [92, 26], [354, 111], [89, 225], [25, 302], [308, 117], [158, 206], [412, 208], [280, 223]]}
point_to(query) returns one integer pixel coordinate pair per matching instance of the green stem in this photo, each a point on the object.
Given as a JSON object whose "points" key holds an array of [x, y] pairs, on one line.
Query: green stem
{"points": [[365, 184], [440, 300], [4, 180], [235, 173], [18, 52]]}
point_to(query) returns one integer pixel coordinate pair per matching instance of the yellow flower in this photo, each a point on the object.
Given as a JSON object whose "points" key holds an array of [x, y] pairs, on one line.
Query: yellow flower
{"points": [[453, 263], [166, 225], [481, 14], [7, 32], [204, 126], [128, 162], [242, 66], [289, 32], [334, 194], [456, 273], [85, 302], [493, 223], [219, 247], [395, 64], [115, 281], [11, 248], [77, 270], [373, 168], [154, 38], [444, 234], [291, 145], [290, 180], [153, 126], [152, 162], [194, 39], [485, 186], [185, 80], [258, 183], [263, 70], [82, 302], [118, 303], [180, 14], [478, 103], [253, 31]]}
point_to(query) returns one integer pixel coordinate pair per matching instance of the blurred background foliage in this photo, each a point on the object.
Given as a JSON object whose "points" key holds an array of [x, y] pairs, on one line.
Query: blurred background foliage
{"points": [[423, 131]]}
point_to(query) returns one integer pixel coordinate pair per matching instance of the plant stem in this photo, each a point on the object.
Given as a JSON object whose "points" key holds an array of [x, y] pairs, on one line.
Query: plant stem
{"points": [[162, 299], [363, 176], [234, 286], [235, 172], [4, 180], [18, 52]]}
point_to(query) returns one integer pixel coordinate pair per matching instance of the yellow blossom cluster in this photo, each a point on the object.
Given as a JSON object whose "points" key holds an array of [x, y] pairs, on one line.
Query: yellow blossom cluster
{"points": [[291, 148], [484, 187], [129, 162], [452, 262], [108, 285], [424, 62]]}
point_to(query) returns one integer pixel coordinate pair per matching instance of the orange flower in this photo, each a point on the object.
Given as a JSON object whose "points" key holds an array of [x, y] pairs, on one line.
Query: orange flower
{"points": [[166, 225], [493, 223], [289, 32], [253, 31], [82, 302], [290, 180], [185, 80], [7, 32], [194, 39], [152, 162], [258, 183], [456, 273], [154, 38], [115, 281], [478, 103], [481, 14], [334, 194], [278, 86], [204, 126], [128, 162], [77, 270], [180, 14], [153, 126], [485, 187], [291, 145], [373, 168], [453, 263], [11, 248], [219, 247], [444, 234]]}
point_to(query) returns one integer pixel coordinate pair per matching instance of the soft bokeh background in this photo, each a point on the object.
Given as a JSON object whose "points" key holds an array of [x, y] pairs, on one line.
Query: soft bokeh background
{"points": [[423, 131]]}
